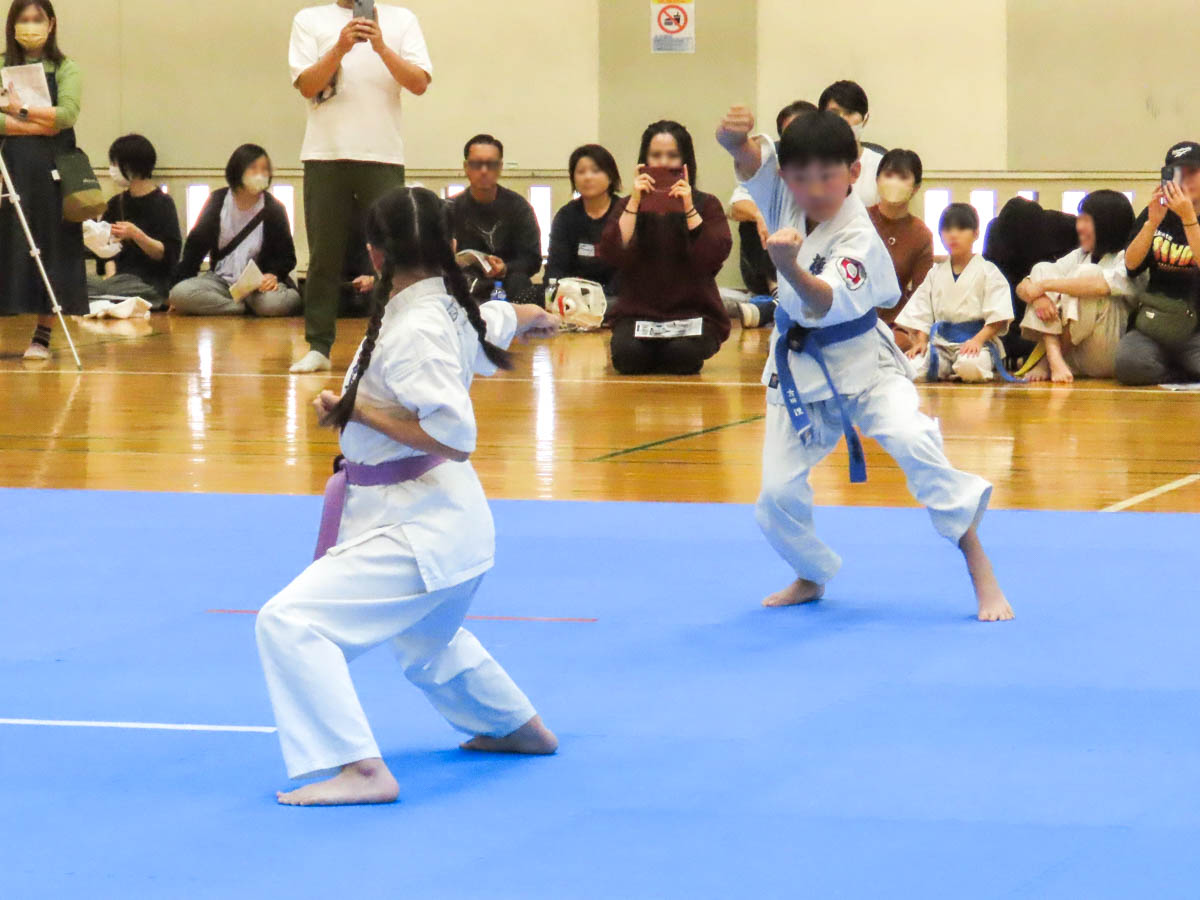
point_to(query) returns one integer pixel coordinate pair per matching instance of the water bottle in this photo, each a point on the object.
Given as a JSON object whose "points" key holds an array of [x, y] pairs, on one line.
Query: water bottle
{"points": [[498, 292]]}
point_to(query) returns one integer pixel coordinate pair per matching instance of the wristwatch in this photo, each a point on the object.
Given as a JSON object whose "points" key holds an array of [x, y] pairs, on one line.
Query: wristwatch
{"points": [[23, 115]]}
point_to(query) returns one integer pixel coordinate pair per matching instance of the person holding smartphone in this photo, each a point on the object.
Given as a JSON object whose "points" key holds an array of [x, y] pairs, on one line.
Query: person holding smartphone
{"points": [[352, 61], [1166, 244], [668, 242]]}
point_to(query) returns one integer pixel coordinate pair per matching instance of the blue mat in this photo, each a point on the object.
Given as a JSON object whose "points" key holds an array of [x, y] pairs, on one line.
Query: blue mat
{"points": [[877, 744]]}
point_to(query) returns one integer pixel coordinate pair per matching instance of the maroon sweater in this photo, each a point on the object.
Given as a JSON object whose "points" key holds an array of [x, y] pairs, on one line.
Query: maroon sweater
{"points": [[679, 279]]}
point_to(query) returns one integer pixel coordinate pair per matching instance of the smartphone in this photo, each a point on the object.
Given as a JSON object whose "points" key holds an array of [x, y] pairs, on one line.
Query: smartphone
{"points": [[660, 201], [364, 9], [1172, 173]]}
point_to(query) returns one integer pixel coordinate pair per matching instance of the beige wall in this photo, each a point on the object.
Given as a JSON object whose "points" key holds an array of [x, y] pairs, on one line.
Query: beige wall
{"points": [[935, 76], [1101, 86], [201, 77]]}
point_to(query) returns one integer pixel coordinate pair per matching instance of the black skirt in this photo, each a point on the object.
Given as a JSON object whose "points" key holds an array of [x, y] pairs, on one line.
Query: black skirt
{"points": [[31, 163]]}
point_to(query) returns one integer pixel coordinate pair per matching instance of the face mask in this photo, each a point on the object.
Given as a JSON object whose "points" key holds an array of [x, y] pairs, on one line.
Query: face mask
{"points": [[896, 190], [256, 184], [858, 130], [114, 172], [33, 35]]}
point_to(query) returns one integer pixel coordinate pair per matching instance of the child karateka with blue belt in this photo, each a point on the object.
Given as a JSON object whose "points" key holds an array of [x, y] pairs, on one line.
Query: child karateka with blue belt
{"points": [[958, 314], [842, 367]]}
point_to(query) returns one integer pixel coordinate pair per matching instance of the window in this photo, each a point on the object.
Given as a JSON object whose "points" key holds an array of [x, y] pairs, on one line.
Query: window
{"points": [[541, 198], [286, 194], [936, 202], [985, 204], [1031, 196], [197, 196], [1071, 201]]}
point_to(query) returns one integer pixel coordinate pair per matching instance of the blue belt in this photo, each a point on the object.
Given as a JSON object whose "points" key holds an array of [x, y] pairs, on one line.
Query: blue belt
{"points": [[799, 339], [960, 333]]}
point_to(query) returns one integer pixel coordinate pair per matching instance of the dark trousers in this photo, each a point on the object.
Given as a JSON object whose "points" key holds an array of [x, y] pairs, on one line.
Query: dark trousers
{"points": [[334, 192], [1142, 360], [657, 356], [758, 272]]}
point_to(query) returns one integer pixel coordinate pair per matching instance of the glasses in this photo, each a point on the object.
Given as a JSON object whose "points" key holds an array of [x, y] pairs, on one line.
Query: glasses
{"points": [[479, 165]]}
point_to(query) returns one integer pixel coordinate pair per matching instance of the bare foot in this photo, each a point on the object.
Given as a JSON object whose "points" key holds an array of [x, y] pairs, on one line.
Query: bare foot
{"points": [[993, 605], [532, 738], [365, 781], [799, 591], [1040, 372], [1060, 373]]}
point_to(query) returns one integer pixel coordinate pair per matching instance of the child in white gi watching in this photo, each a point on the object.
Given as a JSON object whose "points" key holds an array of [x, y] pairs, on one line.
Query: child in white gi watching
{"points": [[961, 310]]}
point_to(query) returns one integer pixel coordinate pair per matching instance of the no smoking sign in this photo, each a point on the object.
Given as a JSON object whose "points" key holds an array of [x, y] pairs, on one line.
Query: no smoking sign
{"points": [[673, 26]]}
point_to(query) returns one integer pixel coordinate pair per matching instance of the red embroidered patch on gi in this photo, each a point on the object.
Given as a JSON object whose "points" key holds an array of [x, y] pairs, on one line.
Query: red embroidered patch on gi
{"points": [[853, 272]]}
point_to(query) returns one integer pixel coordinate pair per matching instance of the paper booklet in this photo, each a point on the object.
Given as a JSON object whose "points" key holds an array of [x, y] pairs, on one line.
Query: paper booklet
{"points": [[248, 282], [30, 82], [468, 258]]}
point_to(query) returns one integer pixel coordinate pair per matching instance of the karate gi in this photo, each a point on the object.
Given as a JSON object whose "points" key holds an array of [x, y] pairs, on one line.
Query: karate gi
{"points": [[871, 375], [1095, 324], [409, 556], [980, 293]]}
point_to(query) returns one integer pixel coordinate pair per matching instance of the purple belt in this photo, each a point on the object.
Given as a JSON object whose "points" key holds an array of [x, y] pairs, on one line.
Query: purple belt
{"points": [[346, 473]]}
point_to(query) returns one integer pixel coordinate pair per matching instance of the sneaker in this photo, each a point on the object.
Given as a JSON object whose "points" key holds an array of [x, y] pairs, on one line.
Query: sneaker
{"points": [[312, 361], [37, 351]]}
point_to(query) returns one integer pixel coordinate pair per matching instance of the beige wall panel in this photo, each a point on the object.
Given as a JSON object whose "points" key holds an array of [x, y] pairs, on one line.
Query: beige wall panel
{"points": [[935, 75]]}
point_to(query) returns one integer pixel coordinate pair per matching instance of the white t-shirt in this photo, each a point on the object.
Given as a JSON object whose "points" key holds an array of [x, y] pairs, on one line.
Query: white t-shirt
{"points": [[361, 121], [865, 188]]}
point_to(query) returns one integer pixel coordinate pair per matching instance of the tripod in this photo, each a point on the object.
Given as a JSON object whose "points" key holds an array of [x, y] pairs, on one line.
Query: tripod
{"points": [[7, 190]]}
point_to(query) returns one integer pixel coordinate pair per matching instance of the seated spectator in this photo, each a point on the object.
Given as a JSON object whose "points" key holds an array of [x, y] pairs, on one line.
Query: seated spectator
{"points": [[669, 317], [146, 223], [909, 240], [497, 222], [1079, 306], [758, 273], [1023, 235], [849, 100], [1164, 344], [358, 275], [960, 310], [239, 225], [579, 225]]}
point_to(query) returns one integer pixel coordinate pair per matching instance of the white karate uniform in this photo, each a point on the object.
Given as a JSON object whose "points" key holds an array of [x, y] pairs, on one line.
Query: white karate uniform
{"points": [[872, 377], [409, 556], [867, 186], [1095, 324], [981, 292]]}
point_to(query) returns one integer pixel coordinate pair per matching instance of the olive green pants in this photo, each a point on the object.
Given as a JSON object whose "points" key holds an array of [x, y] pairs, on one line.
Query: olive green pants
{"points": [[334, 193]]}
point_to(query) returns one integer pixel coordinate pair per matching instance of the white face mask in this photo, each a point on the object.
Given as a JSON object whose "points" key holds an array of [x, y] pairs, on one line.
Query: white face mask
{"points": [[896, 190], [256, 184], [858, 130], [114, 172]]}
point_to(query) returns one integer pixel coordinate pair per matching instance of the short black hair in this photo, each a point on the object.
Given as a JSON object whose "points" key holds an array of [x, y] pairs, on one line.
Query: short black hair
{"points": [[848, 95], [818, 137], [243, 158], [791, 111], [959, 215], [604, 162], [1113, 214], [134, 155], [483, 139], [902, 162]]}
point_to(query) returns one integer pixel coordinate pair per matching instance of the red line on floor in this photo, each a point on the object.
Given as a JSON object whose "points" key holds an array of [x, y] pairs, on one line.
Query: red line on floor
{"points": [[254, 612]]}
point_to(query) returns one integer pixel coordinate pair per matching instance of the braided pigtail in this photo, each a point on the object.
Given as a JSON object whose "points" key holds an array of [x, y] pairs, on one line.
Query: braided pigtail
{"points": [[344, 411]]}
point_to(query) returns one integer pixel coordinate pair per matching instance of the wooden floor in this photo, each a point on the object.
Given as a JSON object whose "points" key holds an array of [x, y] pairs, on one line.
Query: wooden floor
{"points": [[206, 405]]}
